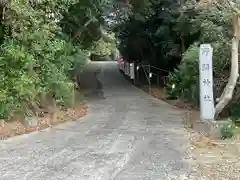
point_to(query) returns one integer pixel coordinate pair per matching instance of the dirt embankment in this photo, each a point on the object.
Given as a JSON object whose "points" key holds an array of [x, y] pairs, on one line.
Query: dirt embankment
{"points": [[19, 125]]}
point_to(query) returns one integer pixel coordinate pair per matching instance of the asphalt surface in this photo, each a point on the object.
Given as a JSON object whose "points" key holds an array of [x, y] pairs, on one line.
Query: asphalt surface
{"points": [[127, 135]]}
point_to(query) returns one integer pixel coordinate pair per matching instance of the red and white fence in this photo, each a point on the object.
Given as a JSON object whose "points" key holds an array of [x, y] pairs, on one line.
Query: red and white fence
{"points": [[127, 68]]}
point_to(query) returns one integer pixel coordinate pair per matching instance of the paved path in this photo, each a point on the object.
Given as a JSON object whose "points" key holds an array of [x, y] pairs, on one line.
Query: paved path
{"points": [[127, 135]]}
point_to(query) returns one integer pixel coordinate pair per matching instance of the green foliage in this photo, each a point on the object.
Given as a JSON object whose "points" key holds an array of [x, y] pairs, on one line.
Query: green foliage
{"points": [[82, 22], [214, 27], [235, 113], [185, 77], [104, 47], [227, 130], [167, 34], [39, 56], [101, 48]]}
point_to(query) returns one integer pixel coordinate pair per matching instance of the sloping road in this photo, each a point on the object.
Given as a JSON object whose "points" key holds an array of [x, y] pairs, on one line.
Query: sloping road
{"points": [[127, 135]]}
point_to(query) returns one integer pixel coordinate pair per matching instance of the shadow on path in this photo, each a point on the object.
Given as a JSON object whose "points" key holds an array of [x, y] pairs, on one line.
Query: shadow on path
{"points": [[90, 84]]}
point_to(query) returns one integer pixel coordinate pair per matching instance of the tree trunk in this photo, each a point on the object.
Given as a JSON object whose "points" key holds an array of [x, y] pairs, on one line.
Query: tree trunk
{"points": [[183, 49], [229, 89]]}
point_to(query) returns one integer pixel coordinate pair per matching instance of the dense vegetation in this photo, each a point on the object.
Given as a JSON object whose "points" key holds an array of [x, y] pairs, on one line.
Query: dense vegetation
{"points": [[167, 34], [42, 44]]}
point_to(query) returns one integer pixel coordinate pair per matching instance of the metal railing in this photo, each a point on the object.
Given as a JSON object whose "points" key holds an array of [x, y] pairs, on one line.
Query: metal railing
{"points": [[149, 74]]}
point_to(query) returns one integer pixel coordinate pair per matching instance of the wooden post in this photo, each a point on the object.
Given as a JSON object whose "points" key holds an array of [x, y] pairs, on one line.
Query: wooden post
{"points": [[149, 79]]}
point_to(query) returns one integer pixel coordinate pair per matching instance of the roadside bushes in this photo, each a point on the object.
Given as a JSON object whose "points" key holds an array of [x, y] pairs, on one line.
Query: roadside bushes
{"points": [[27, 76], [36, 61], [185, 78]]}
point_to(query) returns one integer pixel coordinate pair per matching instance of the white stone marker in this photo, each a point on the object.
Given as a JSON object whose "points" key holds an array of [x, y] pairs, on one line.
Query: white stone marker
{"points": [[132, 71], [207, 109]]}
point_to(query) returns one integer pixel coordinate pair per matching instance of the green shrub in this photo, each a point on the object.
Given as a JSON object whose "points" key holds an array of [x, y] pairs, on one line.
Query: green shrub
{"points": [[185, 77], [36, 60], [227, 130], [235, 113]]}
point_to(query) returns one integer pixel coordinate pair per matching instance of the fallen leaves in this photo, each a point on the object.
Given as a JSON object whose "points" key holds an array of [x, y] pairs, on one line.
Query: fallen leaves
{"points": [[15, 128]]}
